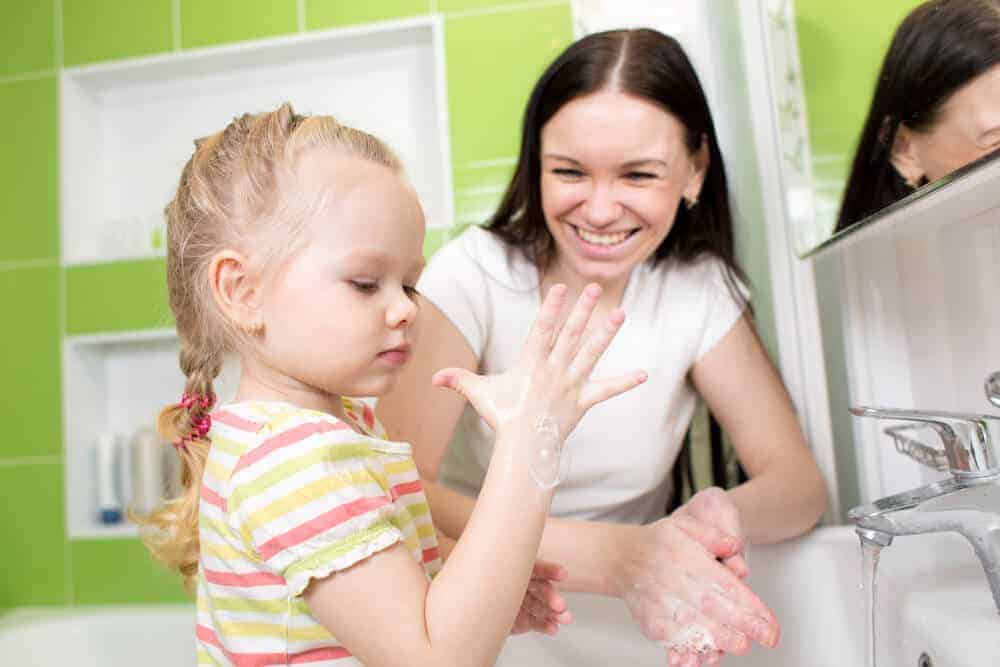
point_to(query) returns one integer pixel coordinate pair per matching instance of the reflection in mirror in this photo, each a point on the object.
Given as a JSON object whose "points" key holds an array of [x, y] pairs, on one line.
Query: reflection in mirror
{"points": [[936, 105], [933, 108]]}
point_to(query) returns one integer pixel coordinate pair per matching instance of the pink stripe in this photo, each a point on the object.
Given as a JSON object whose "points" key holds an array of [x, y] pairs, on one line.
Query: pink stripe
{"points": [[286, 438], [213, 498], [368, 416], [237, 422], [431, 554], [320, 524], [406, 488], [264, 659], [243, 580]]}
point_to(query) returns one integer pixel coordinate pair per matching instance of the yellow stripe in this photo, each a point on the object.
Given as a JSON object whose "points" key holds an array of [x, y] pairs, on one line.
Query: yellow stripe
{"points": [[224, 552], [227, 445], [276, 630], [426, 530], [310, 492], [278, 606], [217, 470], [322, 453], [400, 467]]}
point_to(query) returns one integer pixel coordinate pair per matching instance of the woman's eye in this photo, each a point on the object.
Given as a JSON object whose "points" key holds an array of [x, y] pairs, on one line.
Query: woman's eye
{"points": [[365, 286], [639, 175], [570, 173]]}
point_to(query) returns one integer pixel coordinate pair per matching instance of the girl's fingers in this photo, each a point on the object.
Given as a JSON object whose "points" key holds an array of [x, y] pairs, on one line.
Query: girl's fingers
{"points": [[597, 342], [545, 569], [543, 331], [737, 565], [598, 391], [568, 339]]}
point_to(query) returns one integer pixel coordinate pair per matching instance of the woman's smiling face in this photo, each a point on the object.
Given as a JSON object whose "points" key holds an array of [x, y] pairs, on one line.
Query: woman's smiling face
{"points": [[614, 170]]}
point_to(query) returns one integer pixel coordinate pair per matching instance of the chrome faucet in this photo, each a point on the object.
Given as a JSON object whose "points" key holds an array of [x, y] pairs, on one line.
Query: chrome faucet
{"points": [[968, 502]]}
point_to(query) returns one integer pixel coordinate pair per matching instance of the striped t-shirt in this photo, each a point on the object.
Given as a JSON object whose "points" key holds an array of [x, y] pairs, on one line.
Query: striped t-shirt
{"points": [[288, 495]]}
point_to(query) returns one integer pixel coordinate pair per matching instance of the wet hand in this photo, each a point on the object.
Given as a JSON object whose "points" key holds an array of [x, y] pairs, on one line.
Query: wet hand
{"points": [[683, 597], [543, 608], [714, 507]]}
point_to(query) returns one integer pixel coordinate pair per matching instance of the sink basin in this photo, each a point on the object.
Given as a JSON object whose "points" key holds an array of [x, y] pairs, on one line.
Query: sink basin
{"points": [[933, 600]]}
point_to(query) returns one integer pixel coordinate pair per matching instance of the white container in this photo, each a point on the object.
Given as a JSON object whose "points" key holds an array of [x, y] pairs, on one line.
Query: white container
{"points": [[109, 504], [148, 471]]}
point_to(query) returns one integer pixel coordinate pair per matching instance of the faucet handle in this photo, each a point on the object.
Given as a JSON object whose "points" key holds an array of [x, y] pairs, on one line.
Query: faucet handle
{"points": [[992, 388], [968, 442]]}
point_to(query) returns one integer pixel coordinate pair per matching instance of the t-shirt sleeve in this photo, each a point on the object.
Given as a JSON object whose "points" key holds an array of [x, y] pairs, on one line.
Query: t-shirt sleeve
{"points": [[726, 302], [454, 282], [310, 500]]}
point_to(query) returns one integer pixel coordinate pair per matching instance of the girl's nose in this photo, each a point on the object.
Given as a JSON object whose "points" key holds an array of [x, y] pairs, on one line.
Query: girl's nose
{"points": [[402, 312]]}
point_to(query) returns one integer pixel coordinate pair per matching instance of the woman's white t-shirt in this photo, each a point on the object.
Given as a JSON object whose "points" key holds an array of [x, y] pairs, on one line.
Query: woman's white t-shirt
{"points": [[622, 450]]}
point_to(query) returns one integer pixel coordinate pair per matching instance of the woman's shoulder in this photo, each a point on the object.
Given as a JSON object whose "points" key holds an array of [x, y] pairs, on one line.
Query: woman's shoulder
{"points": [[705, 274], [478, 250]]}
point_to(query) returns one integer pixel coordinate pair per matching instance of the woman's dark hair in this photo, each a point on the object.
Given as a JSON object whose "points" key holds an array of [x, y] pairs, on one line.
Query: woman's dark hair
{"points": [[648, 65], [938, 48]]}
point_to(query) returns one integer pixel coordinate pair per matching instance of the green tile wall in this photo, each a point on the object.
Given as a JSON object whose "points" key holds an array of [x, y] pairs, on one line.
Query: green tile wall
{"points": [[27, 37], [120, 571], [210, 22], [119, 296], [486, 110], [33, 538], [334, 13], [96, 30], [29, 365], [29, 177]]}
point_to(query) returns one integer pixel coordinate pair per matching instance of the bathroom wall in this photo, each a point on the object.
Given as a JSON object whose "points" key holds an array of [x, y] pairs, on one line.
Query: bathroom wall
{"points": [[494, 50]]}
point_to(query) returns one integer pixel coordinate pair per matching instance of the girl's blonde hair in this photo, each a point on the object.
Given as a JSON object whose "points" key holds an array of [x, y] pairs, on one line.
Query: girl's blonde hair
{"points": [[233, 193]]}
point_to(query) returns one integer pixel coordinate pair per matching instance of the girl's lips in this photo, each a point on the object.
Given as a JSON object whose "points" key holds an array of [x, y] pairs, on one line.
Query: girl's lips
{"points": [[396, 356]]}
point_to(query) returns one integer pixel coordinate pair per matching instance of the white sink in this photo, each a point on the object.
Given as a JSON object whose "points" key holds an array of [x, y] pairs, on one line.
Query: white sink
{"points": [[933, 599]]}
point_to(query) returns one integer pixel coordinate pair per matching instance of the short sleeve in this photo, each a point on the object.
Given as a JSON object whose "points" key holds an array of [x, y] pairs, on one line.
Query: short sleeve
{"points": [[454, 282], [726, 299], [310, 500]]}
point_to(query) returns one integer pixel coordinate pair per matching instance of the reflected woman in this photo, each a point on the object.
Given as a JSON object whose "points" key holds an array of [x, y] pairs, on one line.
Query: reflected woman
{"points": [[936, 105]]}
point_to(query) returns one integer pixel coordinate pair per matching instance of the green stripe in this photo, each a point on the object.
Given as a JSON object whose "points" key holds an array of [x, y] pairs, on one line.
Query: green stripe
{"points": [[276, 475], [322, 558]]}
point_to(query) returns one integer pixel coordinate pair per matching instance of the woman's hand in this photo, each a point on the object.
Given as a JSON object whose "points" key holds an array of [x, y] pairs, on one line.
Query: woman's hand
{"points": [[543, 608], [542, 398], [714, 507], [682, 596]]}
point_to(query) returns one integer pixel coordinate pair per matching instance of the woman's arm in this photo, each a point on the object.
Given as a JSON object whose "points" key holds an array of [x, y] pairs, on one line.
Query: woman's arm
{"points": [[786, 494]]}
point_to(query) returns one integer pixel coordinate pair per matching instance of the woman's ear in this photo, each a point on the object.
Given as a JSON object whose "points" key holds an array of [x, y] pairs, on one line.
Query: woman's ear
{"points": [[235, 291], [905, 157], [699, 168]]}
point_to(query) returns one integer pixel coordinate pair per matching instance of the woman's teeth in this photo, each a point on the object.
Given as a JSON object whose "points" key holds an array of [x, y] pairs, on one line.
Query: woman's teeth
{"points": [[602, 239]]}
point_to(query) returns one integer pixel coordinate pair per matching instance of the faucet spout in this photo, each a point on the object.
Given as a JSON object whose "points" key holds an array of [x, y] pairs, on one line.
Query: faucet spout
{"points": [[973, 511]]}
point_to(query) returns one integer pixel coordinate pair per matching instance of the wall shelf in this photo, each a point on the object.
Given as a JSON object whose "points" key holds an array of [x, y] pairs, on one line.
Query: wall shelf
{"points": [[127, 127]]}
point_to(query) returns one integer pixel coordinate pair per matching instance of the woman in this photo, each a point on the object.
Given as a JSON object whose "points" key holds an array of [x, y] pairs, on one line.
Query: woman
{"points": [[936, 105], [620, 181]]}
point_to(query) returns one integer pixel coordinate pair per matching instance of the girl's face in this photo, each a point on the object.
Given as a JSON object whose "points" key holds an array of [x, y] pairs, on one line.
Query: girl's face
{"points": [[338, 319], [967, 128], [614, 170]]}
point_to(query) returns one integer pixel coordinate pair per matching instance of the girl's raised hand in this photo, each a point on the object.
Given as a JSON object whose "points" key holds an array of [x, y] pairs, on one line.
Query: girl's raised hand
{"points": [[550, 389]]}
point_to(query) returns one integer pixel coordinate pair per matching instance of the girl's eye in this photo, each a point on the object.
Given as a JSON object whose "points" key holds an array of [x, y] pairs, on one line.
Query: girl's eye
{"points": [[569, 173], [411, 292], [365, 286]]}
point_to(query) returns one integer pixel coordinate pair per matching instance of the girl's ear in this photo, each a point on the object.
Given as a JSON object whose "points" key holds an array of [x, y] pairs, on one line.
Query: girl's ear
{"points": [[235, 291]]}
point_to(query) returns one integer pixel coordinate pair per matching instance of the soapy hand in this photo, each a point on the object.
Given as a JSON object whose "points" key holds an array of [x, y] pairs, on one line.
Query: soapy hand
{"points": [[542, 398], [543, 608], [714, 507], [684, 598]]}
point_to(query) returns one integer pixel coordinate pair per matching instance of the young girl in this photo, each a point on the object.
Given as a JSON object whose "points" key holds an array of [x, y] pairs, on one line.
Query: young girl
{"points": [[295, 242]]}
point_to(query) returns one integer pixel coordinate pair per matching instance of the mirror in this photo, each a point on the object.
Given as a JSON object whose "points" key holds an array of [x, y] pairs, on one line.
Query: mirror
{"points": [[908, 104]]}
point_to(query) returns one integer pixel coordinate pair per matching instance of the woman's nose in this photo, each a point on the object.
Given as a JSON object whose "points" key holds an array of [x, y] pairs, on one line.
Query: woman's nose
{"points": [[602, 207]]}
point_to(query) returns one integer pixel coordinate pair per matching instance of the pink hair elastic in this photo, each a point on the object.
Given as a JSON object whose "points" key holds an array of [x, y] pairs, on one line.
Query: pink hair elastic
{"points": [[200, 426], [206, 401]]}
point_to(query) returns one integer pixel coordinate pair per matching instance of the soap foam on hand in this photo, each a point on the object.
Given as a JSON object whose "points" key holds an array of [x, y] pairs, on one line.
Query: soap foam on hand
{"points": [[688, 637]]}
